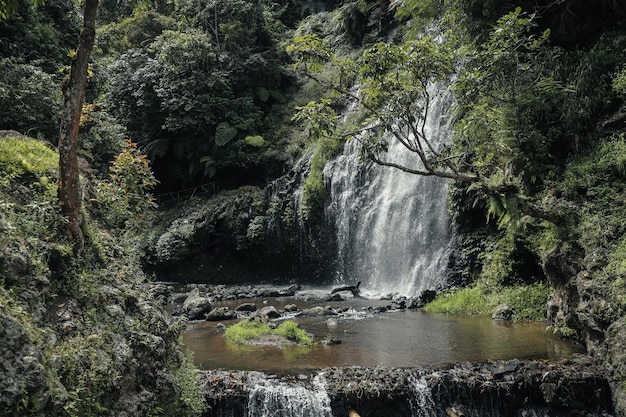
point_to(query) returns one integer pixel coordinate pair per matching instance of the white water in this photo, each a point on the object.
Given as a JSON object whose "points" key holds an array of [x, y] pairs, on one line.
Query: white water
{"points": [[423, 404], [272, 398], [392, 228]]}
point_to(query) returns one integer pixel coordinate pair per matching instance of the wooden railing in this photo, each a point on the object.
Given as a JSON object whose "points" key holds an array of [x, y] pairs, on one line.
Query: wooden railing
{"points": [[209, 188]]}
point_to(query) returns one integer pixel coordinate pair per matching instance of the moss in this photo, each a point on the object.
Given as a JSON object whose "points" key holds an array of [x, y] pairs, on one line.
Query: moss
{"points": [[20, 155], [314, 190]]}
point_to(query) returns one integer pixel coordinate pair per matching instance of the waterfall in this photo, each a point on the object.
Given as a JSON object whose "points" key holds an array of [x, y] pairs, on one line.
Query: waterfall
{"points": [[271, 398], [422, 404], [392, 228]]}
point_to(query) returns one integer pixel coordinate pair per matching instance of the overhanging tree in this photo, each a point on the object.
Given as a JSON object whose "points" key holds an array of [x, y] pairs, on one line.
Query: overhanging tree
{"points": [[395, 96]]}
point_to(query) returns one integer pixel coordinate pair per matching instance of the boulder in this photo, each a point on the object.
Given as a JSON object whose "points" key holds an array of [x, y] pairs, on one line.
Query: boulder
{"points": [[503, 312], [265, 313], [246, 308], [317, 311], [291, 308], [196, 306], [220, 313]]}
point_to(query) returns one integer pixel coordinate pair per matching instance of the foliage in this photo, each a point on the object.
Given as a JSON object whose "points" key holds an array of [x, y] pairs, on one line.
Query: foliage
{"points": [[192, 93], [247, 330], [314, 192], [40, 33], [30, 100], [291, 331], [394, 97], [192, 400], [101, 137], [528, 301], [125, 196]]}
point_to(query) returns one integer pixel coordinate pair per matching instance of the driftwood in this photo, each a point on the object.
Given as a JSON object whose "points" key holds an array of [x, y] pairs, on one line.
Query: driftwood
{"points": [[354, 289]]}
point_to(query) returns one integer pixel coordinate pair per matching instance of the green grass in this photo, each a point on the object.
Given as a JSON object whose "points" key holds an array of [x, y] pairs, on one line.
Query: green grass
{"points": [[290, 330], [245, 331], [529, 301]]}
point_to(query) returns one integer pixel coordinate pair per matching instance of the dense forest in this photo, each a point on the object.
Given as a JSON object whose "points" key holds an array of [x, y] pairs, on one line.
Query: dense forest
{"points": [[245, 100]]}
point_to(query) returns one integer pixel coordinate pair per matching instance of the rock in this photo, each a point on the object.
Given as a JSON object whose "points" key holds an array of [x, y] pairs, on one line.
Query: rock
{"points": [[268, 312], [329, 340], [317, 311], [290, 292], [246, 307], [335, 297], [196, 306], [427, 296], [220, 313], [503, 312], [291, 308]]}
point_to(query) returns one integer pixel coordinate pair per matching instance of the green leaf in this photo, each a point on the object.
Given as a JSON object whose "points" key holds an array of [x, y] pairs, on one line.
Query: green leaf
{"points": [[224, 133]]}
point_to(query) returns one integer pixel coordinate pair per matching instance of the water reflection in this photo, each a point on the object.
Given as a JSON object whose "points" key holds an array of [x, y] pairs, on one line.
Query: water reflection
{"points": [[405, 338]]}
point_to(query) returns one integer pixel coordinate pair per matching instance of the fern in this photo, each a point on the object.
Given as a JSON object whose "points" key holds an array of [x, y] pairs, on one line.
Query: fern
{"points": [[224, 133]]}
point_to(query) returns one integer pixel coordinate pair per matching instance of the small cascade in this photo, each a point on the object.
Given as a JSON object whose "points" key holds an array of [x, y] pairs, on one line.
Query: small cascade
{"points": [[499, 389], [422, 405], [272, 398], [392, 228]]}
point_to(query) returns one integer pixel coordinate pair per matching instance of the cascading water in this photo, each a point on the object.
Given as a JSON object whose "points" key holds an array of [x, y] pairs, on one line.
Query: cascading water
{"points": [[392, 228], [271, 398]]}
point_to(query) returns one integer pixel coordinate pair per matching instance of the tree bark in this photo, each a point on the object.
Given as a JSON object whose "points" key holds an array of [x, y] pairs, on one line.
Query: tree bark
{"points": [[73, 88]]}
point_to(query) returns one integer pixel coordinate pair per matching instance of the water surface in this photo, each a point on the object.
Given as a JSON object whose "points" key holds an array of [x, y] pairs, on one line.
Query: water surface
{"points": [[403, 338]]}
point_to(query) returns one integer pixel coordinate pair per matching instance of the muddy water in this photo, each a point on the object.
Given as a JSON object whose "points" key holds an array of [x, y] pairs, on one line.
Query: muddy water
{"points": [[403, 338]]}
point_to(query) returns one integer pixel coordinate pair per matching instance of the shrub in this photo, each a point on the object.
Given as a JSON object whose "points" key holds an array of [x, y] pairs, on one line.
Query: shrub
{"points": [[126, 194]]}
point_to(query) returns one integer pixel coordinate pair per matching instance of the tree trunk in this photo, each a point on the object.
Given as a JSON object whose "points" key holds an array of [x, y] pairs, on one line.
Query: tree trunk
{"points": [[73, 88]]}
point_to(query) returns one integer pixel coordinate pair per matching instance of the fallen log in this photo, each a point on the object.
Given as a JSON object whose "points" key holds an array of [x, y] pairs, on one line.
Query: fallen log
{"points": [[354, 289]]}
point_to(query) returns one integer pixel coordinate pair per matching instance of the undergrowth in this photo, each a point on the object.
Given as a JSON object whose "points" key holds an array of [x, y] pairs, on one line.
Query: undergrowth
{"points": [[528, 301]]}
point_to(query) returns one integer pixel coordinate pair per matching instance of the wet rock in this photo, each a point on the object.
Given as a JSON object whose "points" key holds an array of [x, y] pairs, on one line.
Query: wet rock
{"points": [[220, 313], [291, 291], [268, 312], [335, 297], [427, 296], [317, 311], [246, 308], [503, 312], [329, 341], [291, 308], [196, 306]]}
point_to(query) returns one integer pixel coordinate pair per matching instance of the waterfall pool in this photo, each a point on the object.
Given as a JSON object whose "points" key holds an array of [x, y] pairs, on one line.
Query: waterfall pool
{"points": [[400, 338]]}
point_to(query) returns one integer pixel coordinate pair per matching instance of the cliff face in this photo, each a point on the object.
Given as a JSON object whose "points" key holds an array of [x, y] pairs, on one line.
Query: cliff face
{"points": [[584, 258], [244, 235], [78, 335]]}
